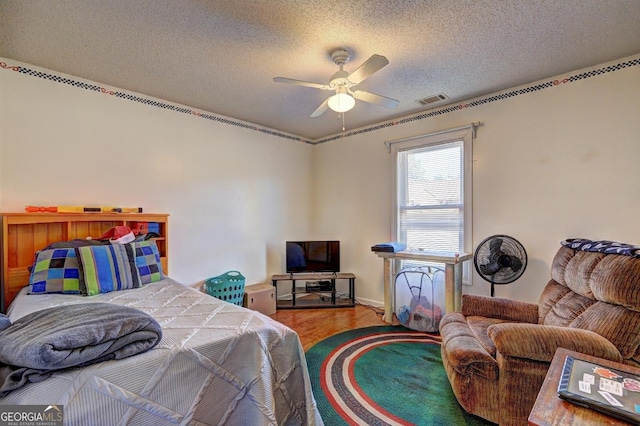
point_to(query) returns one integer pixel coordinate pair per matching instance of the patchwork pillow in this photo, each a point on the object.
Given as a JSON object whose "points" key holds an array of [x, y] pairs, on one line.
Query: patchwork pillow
{"points": [[107, 268], [55, 271], [5, 322], [147, 260]]}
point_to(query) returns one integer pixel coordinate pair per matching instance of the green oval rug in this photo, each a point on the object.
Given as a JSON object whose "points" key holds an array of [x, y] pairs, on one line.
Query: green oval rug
{"points": [[383, 375]]}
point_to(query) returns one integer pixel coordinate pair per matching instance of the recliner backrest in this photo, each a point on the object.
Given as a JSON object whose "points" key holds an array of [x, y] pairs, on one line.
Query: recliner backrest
{"points": [[597, 292]]}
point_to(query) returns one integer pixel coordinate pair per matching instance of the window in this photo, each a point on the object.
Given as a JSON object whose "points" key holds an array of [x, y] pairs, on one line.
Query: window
{"points": [[432, 210]]}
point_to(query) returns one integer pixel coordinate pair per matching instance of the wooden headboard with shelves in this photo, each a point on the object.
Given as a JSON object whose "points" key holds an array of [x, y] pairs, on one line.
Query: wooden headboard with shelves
{"points": [[23, 234]]}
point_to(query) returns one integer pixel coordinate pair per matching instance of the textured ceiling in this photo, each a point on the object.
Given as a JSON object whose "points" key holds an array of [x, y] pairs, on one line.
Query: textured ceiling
{"points": [[221, 56]]}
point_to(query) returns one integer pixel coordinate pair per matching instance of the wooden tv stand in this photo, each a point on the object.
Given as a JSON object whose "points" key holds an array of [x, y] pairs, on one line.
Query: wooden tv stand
{"points": [[327, 291]]}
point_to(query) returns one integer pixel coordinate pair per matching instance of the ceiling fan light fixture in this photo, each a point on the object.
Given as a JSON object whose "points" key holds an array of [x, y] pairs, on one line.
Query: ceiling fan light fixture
{"points": [[342, 81], [341, 102]]}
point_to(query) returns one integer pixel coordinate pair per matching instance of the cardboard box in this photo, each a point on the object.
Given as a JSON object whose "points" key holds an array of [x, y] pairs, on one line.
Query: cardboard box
{"points": [[261, 298]]}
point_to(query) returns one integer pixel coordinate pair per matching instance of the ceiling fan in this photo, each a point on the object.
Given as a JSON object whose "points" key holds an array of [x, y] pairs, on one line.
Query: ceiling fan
{"points": [[342, 81]]}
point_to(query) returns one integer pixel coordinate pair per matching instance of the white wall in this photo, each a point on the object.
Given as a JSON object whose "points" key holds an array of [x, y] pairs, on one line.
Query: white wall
{"points": [[234, 195], [548, 165], [553, 164]]}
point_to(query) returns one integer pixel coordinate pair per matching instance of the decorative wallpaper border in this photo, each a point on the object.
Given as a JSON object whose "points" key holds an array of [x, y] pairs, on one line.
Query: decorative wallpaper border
{"points": [[487, 99], [373, 128], [147, 101]]}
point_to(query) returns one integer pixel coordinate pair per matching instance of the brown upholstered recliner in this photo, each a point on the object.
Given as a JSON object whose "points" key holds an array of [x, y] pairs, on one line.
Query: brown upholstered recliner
{"points": [[496, 351]]}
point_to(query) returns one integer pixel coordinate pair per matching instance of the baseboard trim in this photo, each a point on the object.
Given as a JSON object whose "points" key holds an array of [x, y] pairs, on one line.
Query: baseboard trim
{"points": [[369, 302]]}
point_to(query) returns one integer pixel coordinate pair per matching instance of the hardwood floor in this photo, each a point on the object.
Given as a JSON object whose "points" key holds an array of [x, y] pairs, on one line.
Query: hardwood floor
{"points": [[314, 325]]}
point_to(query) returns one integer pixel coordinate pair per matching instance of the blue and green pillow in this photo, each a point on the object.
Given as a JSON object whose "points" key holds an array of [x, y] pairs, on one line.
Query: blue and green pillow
{"points": [[107, 268], [55, 271], [95, 269], [147, 261]]}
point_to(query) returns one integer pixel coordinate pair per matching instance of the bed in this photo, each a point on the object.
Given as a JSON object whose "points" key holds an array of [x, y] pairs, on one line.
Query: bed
{"points": [[217, 363]]}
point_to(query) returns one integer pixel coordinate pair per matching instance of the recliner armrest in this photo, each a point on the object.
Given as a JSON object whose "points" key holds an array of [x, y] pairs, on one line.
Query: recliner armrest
{"points": [[504, 309], [539, 342]]}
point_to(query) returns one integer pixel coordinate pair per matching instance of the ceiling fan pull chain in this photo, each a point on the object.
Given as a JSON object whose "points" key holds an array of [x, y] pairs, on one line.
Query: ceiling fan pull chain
{"points": [[343, 121]]}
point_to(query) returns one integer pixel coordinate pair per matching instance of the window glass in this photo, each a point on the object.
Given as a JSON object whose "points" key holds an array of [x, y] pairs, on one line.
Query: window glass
{"points": [[432, 203]]}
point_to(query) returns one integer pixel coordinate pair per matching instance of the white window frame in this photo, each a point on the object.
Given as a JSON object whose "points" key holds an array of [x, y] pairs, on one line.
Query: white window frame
{"points": [[465, 135]]}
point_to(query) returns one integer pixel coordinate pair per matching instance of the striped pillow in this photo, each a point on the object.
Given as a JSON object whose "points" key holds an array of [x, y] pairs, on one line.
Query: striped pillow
{"points": [[107, 268]]}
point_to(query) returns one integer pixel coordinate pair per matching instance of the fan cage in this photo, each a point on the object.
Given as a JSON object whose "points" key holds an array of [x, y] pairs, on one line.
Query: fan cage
{"points": [[510, 246]]}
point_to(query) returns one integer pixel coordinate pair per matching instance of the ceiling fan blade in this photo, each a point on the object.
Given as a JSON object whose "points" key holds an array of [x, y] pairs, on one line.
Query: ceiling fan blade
{"points": [[321, 109], [371, 65], [301, 83], [372, 98]]}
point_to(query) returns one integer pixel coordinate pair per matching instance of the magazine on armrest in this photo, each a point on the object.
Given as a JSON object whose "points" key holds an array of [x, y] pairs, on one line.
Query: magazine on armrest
{"points": [[608, 390]]}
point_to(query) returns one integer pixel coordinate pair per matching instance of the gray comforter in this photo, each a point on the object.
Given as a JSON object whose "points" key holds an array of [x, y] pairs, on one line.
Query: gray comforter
{"points": [[42, 342]]}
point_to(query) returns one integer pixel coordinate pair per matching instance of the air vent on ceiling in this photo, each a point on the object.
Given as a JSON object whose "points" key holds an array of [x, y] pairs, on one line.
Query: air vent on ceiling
{"points": [[432, 99]]}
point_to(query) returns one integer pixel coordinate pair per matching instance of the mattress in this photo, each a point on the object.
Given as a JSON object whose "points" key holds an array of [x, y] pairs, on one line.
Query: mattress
{"points": [[217, 363]]}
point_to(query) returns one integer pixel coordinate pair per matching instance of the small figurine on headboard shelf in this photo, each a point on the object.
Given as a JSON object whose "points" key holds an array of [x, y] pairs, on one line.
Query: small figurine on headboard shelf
{"points": [[80, 209]]}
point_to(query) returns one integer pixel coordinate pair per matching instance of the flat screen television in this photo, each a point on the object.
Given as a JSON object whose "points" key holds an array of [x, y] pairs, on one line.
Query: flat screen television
{"points": [[313, 256]]}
